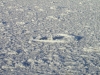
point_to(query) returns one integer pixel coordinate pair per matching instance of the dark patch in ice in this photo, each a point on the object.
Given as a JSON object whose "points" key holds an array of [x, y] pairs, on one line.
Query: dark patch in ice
{"points": [[23, 31], [87, 69], [58, 17], [55, 72], [45, 60], [62, 58], [19, 51], [0, 48], [3, 33], [4, 23], [27, 23], [34, 37], [35, 30], [60, 7], [26, 63], [58, 37], [2, 56], [95, 62], [13, 64], [36, 63], [77, 37], [43, 38], [86, 64]]}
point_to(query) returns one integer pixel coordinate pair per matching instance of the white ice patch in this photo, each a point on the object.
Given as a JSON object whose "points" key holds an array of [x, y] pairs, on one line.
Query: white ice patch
{"points": [[80, 3], [62, 48], [92, 49], [20, 9], [51, 17], [20, 23], [38, 8], [2, 28], [30, 60], [30, 13], [70, 11], [63, 14], [9, 7], [12, 52], [50, 41], [7, 67], [19, 65], [59, 38], [53, 8], [1, 4], [32, 20], [65, 35]]}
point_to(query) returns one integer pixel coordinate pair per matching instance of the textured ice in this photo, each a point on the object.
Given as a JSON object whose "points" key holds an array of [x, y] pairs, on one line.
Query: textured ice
{"points": [[47, 37]]}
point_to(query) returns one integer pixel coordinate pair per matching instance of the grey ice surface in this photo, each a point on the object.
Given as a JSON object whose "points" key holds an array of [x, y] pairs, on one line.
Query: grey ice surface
{"points": [[49, 37]]}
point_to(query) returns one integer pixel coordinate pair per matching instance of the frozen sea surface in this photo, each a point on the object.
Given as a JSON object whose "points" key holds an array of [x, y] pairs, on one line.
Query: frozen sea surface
{"points": [[49, 37]]}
